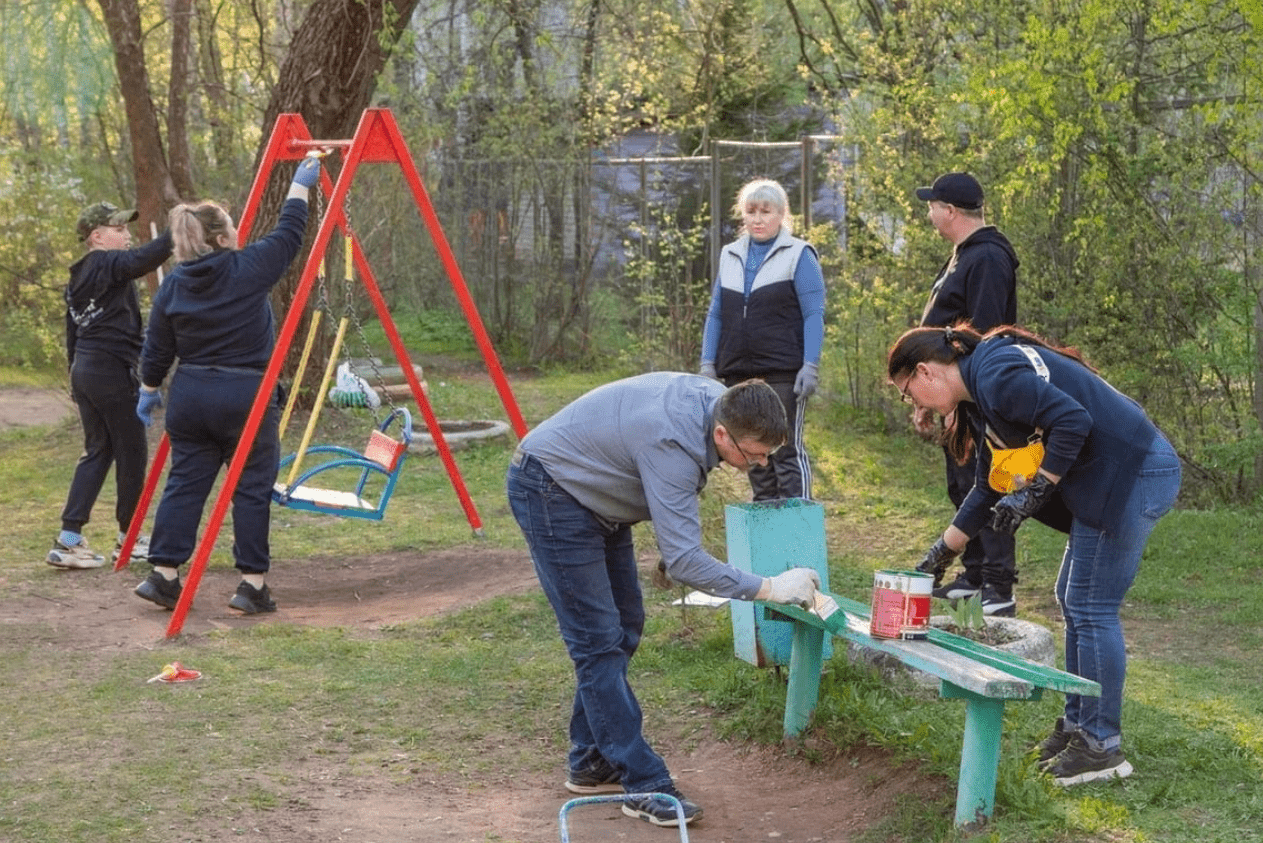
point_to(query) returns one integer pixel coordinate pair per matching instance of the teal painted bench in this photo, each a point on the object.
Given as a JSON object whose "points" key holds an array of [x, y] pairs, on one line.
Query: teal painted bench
{"points": [[984, 677]]}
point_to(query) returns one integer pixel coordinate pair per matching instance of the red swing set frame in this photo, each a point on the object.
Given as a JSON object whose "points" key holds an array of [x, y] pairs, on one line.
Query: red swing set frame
{"points": [[377, 140]]}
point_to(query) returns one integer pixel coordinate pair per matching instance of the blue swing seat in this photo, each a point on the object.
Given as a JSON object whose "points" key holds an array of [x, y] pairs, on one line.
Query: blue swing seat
{"points": [[383, 458]]}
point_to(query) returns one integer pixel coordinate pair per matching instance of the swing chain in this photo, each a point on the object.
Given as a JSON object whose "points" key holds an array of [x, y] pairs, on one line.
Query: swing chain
{"points": [[351, 312]]}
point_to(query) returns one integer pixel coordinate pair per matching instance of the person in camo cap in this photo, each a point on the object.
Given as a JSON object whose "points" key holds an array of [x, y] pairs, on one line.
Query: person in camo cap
{"points": [[103, 339]]}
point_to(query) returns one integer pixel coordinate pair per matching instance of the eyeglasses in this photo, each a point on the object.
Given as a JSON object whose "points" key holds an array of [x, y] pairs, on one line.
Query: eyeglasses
{"points": [[751, 459], [903, 391]]}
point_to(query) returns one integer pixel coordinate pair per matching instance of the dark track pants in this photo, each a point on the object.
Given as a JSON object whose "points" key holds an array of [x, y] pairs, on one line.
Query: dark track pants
{"points": [[206, 411], [105, 390]]}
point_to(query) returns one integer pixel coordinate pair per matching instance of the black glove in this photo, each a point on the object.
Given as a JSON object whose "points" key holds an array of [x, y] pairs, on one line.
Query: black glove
{"points": [[1016, 507], [937, 560]]}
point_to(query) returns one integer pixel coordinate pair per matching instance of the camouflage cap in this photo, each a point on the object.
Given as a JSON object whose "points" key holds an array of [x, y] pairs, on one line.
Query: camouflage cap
{"points": [[102, 213]]}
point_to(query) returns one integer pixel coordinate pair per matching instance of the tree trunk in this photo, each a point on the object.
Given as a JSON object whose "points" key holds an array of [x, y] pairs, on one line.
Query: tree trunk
{"points": [[178, 96], [328, 76], [155, 191]]}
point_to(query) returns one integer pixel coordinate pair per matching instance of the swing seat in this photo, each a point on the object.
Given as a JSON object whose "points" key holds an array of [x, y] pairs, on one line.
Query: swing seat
{"points": [[382, 459]]}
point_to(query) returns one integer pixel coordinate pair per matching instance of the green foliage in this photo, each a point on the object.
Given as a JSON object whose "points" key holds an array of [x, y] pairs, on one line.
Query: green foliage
{"points": [[40, 202], [966, 613], [671, 296]]}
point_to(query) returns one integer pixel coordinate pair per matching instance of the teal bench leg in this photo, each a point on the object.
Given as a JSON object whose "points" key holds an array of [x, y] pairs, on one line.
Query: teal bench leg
{"points": [[979, 754], [805, 662]]}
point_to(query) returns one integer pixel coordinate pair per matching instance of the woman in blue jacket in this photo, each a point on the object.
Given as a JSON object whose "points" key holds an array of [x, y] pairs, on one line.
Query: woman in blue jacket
{"points": [[1104, 459], [766, 320], [213, 314]]}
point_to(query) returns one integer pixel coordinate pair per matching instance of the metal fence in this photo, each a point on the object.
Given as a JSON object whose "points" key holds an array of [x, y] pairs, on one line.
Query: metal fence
{"points": [[544, 245]]}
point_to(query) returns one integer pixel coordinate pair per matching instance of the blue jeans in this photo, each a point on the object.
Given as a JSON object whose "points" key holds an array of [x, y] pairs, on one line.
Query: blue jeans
{"points": [[1097, 570], [587, 567]]}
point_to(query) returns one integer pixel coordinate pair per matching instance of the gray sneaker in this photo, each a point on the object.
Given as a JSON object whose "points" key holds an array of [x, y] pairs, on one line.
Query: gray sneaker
{"points": [[1051, 746], [79, 557], [960, 588], [140, 550], [1079, 763]]}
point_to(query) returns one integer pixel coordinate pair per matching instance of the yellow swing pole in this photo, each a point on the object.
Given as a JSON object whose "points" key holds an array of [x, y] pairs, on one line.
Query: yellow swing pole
{"points": [[302, 369], [315, 411]]}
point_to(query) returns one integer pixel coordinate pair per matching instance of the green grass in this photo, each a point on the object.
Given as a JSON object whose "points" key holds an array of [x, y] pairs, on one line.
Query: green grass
{"points": [[482, 693]]}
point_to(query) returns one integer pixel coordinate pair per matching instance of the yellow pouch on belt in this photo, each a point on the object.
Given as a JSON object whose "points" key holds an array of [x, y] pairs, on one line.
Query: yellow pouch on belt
{"points": [[1013, 468]]}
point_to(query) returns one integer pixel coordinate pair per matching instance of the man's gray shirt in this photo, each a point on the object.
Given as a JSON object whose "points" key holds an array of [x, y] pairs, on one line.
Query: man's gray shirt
{"points": [[640, 449]]}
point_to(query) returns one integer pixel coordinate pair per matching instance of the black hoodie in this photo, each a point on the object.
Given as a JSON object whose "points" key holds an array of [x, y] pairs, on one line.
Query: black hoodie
{"points": [[102, 309], [214, 311], [980, 287]]}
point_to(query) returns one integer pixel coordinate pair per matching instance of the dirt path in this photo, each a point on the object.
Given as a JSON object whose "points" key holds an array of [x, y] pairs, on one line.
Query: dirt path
{"points": [[749, 794], [27, 405]]}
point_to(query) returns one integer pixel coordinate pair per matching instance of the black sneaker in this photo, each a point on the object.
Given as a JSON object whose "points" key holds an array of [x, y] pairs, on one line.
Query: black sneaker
{"points": [[958, 589], [600, 778], [158, 589], [1078, 763], [654, 809], [252, 600], [994, 604], [1052, 745]]}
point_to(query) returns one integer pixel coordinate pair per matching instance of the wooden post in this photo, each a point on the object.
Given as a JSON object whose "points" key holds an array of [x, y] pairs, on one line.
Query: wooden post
{"points": [[979, 755], [803, 691], [768, 538]]}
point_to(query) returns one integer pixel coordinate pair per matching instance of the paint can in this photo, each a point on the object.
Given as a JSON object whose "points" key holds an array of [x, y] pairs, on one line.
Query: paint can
{"points": [[901, 604]]}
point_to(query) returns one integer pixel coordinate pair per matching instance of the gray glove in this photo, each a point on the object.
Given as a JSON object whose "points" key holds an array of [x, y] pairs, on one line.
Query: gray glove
{"points": [[307, 173], [797, 586], [707, 370], [936, 561], [807, 381]]}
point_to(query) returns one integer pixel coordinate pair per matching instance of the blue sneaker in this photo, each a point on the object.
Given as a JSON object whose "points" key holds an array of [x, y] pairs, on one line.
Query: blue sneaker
{"points": [[654, 809], [600, 778]]}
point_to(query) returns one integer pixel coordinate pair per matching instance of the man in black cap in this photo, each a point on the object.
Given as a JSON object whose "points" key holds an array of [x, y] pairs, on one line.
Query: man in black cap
{"points": [[979, 283], [103, 340]]}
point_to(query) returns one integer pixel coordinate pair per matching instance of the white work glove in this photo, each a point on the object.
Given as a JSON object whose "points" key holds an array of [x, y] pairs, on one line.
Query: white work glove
{"points": [[807, 381], [707, 370], [797, 586]]}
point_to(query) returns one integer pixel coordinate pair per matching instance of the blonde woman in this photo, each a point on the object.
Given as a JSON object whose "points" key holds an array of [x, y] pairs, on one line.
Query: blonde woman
{"points": [[213, 313], [766, 320]]}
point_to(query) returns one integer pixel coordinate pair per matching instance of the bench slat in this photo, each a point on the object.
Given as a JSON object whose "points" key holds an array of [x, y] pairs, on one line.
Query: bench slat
{"points": [[960, 670], [1037, 674]]}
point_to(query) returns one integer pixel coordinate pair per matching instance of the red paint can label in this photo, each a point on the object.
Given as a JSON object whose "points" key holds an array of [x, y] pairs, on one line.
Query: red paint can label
{"points": [[901, 604]]}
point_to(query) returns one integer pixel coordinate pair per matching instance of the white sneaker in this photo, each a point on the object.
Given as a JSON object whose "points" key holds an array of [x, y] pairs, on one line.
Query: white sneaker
{"points": [[78, 557], [140, 550]]}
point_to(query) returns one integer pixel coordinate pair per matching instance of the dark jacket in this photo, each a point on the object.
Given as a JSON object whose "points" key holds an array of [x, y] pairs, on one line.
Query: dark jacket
{"points": [[214, 311], [980, 287], [762, 336], [1095, 438], [102, 308]]}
